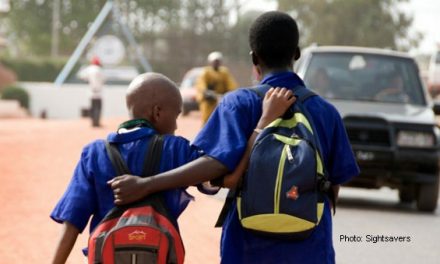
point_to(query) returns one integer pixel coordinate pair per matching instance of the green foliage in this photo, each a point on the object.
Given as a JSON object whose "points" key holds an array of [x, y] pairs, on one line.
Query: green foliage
{"points": [[176, 35], [16, 93], [35, 69], [31, 23], [371, 23]]}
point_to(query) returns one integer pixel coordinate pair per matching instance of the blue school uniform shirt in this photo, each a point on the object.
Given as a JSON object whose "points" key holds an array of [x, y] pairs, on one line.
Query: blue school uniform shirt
{"points": [[224, 138], [89, 195]]}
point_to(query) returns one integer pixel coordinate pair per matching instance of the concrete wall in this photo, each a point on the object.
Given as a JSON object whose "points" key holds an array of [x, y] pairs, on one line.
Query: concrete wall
{"points": [[68, 100], [11, 109]]}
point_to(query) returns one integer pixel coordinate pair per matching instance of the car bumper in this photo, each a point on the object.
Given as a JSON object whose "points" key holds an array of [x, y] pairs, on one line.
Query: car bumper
{"points": [[393, 168]]}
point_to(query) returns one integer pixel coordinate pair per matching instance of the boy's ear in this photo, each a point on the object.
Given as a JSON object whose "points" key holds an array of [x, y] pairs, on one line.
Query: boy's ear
{"points": [[254, 58], [297, 53], [155, 113]]}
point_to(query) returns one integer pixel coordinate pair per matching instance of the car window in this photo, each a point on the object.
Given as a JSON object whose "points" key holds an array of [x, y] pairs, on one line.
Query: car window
{"points": [[188, 82], [190, 79], [369, 77]]}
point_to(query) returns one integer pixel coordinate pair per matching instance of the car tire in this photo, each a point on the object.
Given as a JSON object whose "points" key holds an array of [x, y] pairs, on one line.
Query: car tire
{"points": [[185, 111], [407, 194], [428, 196]]}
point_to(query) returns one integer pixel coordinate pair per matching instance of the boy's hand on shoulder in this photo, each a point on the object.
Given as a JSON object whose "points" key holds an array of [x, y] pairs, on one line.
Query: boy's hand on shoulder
{"points": [[128, 188], [275, 104]]}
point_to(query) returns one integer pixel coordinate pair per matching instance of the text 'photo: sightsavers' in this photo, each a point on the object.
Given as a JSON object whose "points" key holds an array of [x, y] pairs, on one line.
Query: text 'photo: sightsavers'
{"points": [[220, 131]]}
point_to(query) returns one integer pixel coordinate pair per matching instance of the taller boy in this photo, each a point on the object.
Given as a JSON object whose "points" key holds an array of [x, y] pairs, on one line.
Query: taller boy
{"points": [[273, 40]]}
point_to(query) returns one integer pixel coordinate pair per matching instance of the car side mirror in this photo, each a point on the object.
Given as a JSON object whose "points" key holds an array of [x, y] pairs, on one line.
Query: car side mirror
{"points": [[436, 108]]}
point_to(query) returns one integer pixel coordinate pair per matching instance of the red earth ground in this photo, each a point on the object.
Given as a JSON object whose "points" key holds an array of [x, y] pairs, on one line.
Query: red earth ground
{"points": [[37, 158]]}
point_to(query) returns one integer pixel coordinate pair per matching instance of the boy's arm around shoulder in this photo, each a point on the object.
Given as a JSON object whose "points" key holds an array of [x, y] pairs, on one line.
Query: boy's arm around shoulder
{"points": [[129, 188], [65, 244]]}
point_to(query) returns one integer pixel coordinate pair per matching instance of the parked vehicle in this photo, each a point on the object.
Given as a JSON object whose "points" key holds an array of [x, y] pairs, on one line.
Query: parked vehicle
{"points": [[188, 90], [388, 116]]}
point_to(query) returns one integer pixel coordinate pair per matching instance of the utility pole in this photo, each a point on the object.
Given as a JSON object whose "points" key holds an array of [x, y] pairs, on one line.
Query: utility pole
{"points": [[55, 28]]}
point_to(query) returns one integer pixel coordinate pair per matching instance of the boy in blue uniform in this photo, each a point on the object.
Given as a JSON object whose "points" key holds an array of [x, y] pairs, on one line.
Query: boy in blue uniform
{"points": [[154, 103], [273, 40]]}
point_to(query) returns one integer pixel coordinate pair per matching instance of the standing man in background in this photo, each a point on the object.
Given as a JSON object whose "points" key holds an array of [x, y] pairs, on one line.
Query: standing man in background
{"points": [[94, 75], [214, 82]]}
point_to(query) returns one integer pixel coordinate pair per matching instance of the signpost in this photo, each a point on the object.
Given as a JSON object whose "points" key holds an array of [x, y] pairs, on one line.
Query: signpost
{"points": [[113, 52]]}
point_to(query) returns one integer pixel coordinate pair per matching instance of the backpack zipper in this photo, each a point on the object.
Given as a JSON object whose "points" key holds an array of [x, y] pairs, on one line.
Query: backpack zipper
{"points": [[289, 154], [279, 179]]}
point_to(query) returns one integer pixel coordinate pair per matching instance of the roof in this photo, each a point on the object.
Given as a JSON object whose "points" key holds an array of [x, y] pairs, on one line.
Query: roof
{"points": [[355, 49]]}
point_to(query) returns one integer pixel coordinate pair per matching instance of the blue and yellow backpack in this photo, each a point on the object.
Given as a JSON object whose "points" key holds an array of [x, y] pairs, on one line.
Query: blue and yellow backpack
{"points": [[282, 193]]}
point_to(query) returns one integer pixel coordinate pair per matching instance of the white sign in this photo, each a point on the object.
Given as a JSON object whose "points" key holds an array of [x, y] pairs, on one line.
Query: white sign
{"points": [[5, 6], [109, 49]]}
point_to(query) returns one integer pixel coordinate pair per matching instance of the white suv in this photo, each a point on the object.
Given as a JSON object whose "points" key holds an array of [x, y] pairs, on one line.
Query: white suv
{"points": [[388, 116]]}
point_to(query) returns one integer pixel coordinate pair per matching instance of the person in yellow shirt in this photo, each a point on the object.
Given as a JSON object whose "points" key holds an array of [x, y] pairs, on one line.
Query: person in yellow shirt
{"points": [[215, 81]]}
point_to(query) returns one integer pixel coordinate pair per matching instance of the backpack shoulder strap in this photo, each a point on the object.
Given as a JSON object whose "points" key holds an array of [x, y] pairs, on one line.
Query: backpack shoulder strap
{"points": [[152, 157], [116, 159], [260, 89], [151, 166], [302, 93], [230, 197]]}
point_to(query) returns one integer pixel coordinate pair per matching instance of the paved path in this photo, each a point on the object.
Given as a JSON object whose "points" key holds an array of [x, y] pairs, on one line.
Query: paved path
{"points": [[37, 158]]}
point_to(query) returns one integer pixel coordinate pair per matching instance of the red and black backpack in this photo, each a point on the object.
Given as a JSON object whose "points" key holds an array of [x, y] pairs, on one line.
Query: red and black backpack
{"points": [[141, 232]]}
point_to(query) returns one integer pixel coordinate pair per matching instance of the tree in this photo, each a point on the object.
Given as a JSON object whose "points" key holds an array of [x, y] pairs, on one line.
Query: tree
{"points": [[188, 31], [371, 23], [175, 35], [238, 47], [30, 22]]}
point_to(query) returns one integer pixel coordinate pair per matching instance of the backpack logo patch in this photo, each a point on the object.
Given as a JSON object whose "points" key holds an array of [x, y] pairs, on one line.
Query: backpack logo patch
{"points": [[293, 193], [137, 235]]}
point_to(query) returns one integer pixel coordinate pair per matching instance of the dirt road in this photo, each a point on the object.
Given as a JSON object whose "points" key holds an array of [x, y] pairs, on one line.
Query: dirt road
{"points": [[37, 158]]}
